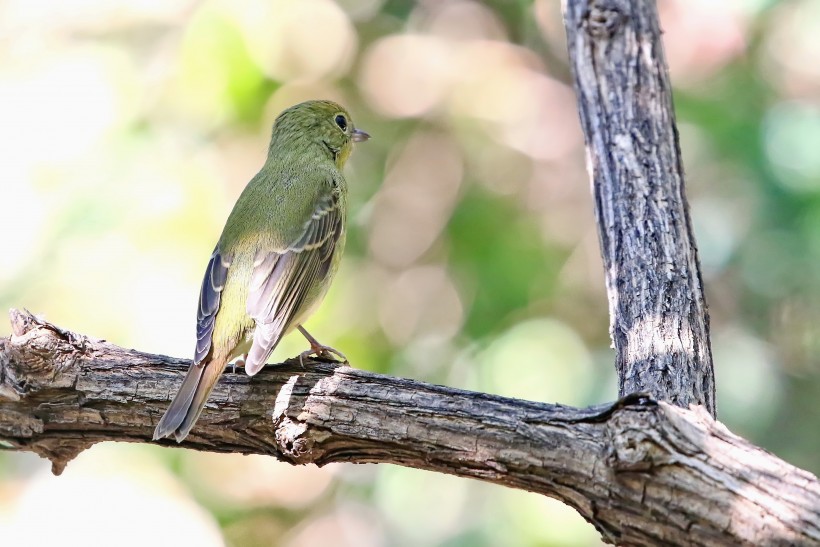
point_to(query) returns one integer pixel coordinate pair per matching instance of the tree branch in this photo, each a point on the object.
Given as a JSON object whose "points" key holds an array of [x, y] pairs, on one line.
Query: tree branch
{"points": [[659, 323], [621, 466]]}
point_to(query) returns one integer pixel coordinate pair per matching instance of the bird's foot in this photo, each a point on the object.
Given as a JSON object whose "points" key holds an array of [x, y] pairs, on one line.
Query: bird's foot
{"points": [[239, 363], [323, 352], [319, 350]]}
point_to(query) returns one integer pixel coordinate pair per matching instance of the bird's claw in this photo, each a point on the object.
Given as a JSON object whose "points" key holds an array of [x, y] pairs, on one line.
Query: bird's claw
{"points": [[323, 352], [238, 363]]}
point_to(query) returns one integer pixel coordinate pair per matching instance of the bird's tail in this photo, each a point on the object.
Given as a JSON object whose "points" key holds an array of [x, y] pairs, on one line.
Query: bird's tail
{"points": [[190, 400]]}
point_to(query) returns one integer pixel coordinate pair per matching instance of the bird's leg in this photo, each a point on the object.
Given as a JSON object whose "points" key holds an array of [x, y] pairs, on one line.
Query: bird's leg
{"points": [[239, 363], [317, 349]]}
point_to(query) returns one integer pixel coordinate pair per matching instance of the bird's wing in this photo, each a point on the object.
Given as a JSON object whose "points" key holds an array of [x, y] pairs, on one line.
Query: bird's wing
{"points": [[209, 295], [282, 280]]}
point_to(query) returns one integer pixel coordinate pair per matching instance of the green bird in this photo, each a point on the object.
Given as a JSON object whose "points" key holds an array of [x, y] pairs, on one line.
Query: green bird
{"points": [[276, 257]]}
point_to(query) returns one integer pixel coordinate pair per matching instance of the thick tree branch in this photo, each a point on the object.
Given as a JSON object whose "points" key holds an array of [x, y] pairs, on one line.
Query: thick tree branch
{"points": [[658, 319], [644, 473]]}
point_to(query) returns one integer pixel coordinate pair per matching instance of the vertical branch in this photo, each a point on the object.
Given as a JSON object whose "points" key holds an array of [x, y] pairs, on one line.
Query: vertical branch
{"points": [[659, 323]]}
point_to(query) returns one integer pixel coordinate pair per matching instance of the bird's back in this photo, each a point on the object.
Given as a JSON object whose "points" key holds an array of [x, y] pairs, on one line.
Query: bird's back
{"points": [[270, 214]]}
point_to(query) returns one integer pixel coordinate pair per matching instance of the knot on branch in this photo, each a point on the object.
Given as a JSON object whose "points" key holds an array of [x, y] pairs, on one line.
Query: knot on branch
{"points": [[633, 446], [59, 451], [37, 356], [293, 441], [603, 18]]}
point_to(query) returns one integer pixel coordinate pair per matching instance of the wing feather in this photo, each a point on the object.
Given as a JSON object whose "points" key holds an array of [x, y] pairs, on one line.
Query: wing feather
{"points": [[282, 281], [209, 296]]}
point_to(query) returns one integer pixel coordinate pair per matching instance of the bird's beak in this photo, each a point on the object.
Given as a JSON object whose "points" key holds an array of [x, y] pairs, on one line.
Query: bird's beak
{"points": [[360, 136]]}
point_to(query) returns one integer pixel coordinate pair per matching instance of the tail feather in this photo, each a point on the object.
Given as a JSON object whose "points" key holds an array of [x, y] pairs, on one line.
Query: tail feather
{"points": [[189, 400], [213, 370]]}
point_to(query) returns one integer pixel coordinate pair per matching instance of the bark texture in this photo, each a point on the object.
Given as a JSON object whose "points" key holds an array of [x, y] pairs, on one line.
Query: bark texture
{"points": [[642, 472], [659, 323]]}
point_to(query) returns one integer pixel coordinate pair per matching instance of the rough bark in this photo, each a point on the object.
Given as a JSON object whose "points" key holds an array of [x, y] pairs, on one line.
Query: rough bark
{"points": [[644, 473], [659, 323]]}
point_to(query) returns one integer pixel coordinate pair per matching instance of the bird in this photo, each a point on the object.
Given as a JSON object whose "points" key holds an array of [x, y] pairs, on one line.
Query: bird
{"points": [[277, 255]]}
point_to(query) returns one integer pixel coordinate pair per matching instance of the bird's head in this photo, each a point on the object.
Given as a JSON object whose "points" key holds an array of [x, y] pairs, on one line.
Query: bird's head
{"points": [[317, 123]]}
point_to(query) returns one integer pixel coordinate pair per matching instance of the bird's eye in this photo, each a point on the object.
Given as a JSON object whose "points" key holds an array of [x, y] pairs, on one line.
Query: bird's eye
{"points": [[341, 121]]}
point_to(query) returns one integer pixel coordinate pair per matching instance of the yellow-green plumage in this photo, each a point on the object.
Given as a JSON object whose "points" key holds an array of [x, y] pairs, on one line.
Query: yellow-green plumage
{"points": [[277, 255]]}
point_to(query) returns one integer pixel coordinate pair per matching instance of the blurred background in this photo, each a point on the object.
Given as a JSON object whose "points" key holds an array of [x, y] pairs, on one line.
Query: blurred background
{"points": [[128, 129]]}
